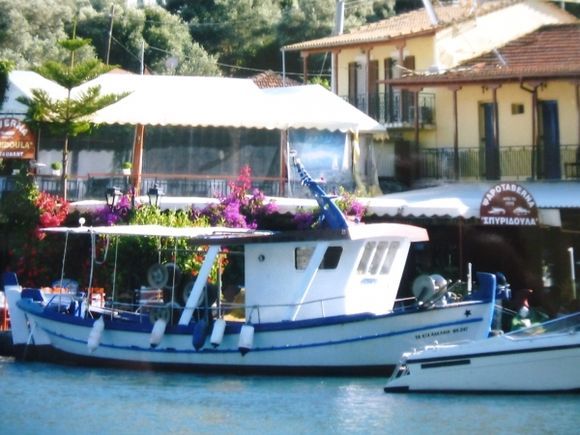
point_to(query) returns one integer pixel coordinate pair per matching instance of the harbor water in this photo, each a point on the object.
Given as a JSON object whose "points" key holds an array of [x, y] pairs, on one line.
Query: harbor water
{"points": [[49, 399]]}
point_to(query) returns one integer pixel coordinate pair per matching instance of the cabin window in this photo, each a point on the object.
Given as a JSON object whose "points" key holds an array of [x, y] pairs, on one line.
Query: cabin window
{"points": [[392, 251], [367, 256], [377, 258], [330, 260]]}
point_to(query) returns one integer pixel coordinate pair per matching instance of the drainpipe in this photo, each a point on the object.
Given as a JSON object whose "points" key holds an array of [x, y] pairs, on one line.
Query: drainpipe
{"points": [[338, 30], [283, 52], [339, 18], [430, 12], [534, 92]]}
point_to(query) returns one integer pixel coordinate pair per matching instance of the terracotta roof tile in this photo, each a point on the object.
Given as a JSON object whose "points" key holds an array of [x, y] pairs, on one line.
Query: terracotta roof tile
{"points": [[410, 23], [551, 51], [270, 79], [550, 48]]}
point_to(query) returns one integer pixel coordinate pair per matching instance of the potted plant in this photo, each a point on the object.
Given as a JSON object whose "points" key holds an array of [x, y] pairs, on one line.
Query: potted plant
{"points": [[56, 168], [126, 168]]}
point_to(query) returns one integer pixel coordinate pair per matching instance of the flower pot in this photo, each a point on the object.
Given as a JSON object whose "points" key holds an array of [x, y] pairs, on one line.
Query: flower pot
{"points": [[126, 171], [56, 172]]}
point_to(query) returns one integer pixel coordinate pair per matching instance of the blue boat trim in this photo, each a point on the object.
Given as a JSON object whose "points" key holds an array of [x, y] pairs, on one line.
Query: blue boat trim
{"points": [[161, 349]]}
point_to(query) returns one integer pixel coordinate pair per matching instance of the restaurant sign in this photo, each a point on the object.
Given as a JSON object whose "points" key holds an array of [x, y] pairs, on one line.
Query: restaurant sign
{"points": [[508, 204], [16, 140]]}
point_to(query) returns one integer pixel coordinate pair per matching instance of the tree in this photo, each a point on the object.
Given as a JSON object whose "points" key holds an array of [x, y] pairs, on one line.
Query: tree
{"points": [[68, 116], [168, 48], [247, 34], [29, 30]]}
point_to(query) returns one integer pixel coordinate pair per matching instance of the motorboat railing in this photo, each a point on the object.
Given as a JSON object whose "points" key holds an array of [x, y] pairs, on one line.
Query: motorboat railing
{"points": [[567, 324]]}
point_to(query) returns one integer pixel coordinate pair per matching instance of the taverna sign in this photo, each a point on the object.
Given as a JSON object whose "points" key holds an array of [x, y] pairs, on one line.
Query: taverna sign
{"points": [[16, 140], [508, 204]]}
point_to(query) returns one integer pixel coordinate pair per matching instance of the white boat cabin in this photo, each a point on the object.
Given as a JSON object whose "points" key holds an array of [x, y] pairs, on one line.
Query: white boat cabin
{"points": [[308, 279]]}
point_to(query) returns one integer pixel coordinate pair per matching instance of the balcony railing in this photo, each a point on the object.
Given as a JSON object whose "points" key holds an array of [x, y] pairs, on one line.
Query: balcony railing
{"points": [[515, 162], [94, 187], [396, 108]]}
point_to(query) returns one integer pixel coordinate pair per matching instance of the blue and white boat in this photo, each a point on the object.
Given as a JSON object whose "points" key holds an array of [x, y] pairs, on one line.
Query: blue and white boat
{"points": [[317, 301]]}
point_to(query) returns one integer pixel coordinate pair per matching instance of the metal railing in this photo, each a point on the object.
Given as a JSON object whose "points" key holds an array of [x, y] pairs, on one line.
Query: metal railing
{"points": [[396, 108], [515, 162], [95, 186]]}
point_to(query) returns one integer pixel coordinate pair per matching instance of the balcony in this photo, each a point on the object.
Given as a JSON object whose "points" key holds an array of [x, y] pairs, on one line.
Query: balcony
{"points": [[515, 163], [396, 109]]}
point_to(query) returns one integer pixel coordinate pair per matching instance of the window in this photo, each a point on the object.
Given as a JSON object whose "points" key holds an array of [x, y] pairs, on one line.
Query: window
{"points": [[517, 108], [377, 258], [330, 260]]}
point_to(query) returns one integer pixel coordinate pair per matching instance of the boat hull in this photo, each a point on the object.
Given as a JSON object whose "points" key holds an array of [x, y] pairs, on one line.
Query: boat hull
{"points": [[533, 365], [359, 344]]}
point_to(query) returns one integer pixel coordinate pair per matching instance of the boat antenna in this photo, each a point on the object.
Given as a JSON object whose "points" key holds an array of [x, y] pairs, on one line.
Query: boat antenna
{"points": [[331, 215]]}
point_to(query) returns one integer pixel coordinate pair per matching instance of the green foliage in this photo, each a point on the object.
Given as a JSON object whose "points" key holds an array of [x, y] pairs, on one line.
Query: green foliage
{"points": [[71, 76], [68, 116], [185, 37], [5, 67], [29, 30], [168, 47], [23, 211]]}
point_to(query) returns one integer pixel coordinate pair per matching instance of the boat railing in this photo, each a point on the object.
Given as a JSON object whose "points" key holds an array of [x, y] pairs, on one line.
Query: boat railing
{"points": [[251, 313], [567, 324]]}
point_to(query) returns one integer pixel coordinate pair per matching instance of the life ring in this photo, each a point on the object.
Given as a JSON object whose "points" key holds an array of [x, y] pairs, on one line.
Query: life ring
{"points": [[157, 276]]}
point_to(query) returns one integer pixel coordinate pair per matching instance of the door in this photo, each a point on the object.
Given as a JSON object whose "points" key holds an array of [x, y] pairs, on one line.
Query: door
{"points": [[489, 145], [352, 83], [373, 89], [549, 139]]}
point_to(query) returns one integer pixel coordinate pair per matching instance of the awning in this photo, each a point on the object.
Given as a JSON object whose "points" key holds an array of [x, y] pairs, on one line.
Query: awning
{"points": [[464, 200], [226, 102], [457, 200]]}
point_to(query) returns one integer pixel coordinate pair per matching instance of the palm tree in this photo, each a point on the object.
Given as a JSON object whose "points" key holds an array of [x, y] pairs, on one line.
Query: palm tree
{"points": [[68, 116]]}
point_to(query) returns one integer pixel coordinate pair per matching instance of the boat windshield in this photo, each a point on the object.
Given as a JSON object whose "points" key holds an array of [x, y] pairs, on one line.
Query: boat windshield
{"points": [[569, 323]]}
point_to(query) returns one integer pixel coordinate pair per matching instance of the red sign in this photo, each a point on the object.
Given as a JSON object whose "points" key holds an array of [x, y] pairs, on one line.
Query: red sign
{"points": [[16, 140], [508, 204]]}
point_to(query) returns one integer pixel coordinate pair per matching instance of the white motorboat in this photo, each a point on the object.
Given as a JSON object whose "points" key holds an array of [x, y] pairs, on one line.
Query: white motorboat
{"points": [[317, 301], [544, 357]]}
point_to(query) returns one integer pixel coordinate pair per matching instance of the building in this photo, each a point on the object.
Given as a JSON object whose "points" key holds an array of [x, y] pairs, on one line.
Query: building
{"points": [[474, 74], [473, 94]]}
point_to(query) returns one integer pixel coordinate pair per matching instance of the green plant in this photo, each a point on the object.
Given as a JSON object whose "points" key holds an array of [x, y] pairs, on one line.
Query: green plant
{"points": [[57, 166], [68, 116], [126, 165]]}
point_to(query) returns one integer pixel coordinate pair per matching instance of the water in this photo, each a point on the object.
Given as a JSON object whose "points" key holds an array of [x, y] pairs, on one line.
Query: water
{"points": [[48, 399]]}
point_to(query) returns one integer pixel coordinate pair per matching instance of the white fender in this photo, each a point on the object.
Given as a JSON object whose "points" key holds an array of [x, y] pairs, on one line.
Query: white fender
{"points": [[157, 332], [95, 335], [217, 333], [246, 339]]}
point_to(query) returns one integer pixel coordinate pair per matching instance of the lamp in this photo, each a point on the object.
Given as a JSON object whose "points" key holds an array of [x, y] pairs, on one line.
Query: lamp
{"points": [[154, 193], [112, 196]]}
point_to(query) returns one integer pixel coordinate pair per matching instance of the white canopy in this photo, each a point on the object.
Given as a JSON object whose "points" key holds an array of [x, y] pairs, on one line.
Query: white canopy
{"points": [[21, 83], [226, 102], [464, 200]]}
